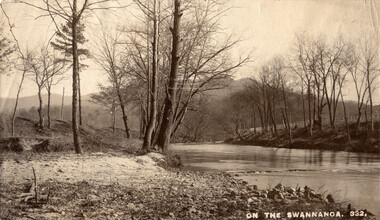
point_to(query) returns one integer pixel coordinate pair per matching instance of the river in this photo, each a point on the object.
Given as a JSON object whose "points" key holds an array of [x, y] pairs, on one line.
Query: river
{"points": [[351, 177]]}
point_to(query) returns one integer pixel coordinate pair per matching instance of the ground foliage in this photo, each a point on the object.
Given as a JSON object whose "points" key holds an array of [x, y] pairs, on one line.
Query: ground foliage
{"points": [[59, 138]]}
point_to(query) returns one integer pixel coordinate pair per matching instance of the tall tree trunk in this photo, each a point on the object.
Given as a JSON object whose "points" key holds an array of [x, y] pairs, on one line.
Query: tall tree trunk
{"points": [[315, 107], [372, 127], [16, 104], [265, 112], [48, 107], [358, 121], [309, 102], [153, 91], [320, 111], [273, 114], [142, 121], [79, 99], [179, 118], [346, 119], [287, 115], [63, 99], [39, 110], [157, 127], [330, 101], [261, 119], [284, 120], [122, 106], [303, 108], [170, 100], [254, 119], [75, 128], [366, 115], [113, 116], [149, 79], [274, 129]]}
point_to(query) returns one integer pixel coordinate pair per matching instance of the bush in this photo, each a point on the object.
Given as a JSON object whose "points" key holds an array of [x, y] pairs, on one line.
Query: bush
{"points": [[174, 161], [11, 144]]}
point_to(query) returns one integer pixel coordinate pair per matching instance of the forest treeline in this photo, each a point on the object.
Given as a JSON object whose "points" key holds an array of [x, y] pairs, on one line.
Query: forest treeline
{"points": [[170, 64], [162, 63], [310, 85]]}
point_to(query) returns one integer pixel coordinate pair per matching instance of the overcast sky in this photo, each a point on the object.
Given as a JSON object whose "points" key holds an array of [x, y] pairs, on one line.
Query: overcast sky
{"points": [[269, 26]]}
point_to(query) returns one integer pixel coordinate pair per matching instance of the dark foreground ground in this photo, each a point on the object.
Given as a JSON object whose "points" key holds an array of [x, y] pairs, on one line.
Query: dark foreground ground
{"points": [[110, 181]]}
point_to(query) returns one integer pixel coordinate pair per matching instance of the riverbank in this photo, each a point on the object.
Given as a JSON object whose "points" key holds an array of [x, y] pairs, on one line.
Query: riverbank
{"points": [[109, 186], [42, 179], [322, 140]]}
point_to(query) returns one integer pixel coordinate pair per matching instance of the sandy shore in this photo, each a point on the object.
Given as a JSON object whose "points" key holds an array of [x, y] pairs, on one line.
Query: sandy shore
{"points": [[107, 186]]}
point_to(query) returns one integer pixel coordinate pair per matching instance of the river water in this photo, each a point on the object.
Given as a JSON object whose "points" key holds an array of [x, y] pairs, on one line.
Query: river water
{"points": [[351, 177]]}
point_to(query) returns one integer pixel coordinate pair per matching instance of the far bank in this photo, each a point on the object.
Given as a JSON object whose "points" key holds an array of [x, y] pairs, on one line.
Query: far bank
{"points": [[324, 139]]}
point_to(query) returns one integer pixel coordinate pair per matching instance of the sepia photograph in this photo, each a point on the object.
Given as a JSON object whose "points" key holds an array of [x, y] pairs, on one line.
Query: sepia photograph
{"points": [[190, 109]]}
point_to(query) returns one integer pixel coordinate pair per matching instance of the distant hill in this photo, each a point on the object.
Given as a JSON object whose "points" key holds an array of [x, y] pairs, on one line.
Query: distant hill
{"points": [[7, 104], [234, 86]]}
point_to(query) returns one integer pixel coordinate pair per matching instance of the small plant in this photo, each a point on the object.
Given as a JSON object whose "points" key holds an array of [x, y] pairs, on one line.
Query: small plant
{"points": [[174, 161], [32, 197]]}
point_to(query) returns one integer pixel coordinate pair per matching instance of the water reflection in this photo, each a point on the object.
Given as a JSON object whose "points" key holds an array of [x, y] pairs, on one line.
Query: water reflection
{"points": [[320, 157], [273, 159], [333, 157], [254, 158]]}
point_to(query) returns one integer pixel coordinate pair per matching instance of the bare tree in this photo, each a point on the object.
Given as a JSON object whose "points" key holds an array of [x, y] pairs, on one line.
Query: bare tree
{"points": [[46, 71], [107, 97], [232, 113], [341, 80], [197, 123], [318, 65], [331, 70], [280, 73], [359, 79], [54, 76], [204, 58], [301, 63], [114, 62], [148, 65], [153, 81], [255, 96], [7, 47], [170, 100], [24, 68], [71, 13], [370, 66]]}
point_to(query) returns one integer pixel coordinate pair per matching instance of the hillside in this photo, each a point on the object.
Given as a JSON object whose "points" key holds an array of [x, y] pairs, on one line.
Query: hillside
{"points": [[59, 137], [234, 86], [98, 116], [7, 104]]}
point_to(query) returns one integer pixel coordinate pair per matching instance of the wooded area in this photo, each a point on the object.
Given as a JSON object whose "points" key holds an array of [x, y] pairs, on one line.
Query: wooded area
{"points": [[169, 62], [309, 85], [140, 109]]}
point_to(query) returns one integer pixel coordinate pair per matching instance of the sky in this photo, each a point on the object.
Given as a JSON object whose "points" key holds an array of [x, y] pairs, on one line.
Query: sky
{"points": [[266, 26]]}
